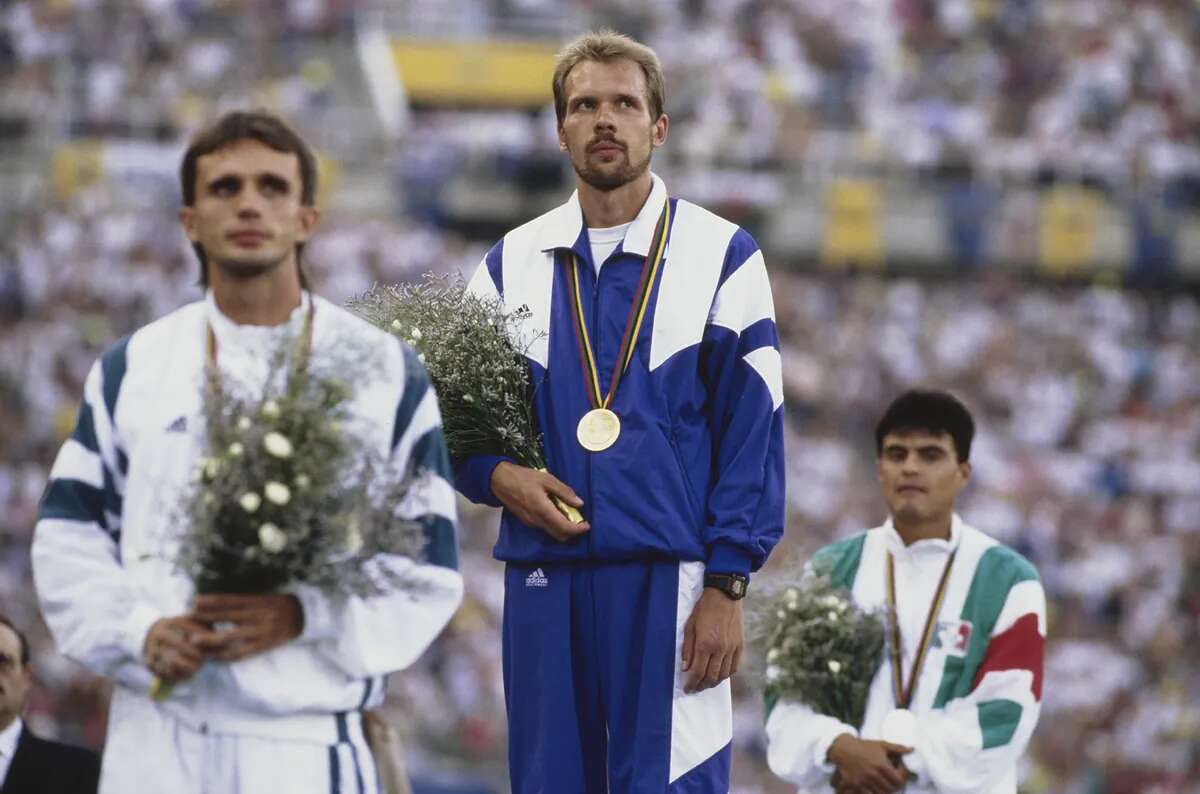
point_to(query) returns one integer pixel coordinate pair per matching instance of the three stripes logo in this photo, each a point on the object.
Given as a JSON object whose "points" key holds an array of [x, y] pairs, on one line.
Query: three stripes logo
{"points": [[178, 426], [537, 579]]}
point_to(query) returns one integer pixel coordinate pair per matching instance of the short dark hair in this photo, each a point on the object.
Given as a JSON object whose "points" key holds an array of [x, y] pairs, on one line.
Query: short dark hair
{"points": [[248, 125], [932, 411], [24, 643]]}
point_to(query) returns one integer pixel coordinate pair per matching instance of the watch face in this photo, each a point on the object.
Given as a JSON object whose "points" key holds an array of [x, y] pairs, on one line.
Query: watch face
{"points": [[737, 587]]}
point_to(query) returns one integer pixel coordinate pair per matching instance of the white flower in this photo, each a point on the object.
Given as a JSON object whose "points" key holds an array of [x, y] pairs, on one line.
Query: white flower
{"points": [[835, 666], [354, 538], [278, 445], [779, 613], [250, 501], [833, 616], [772, 654], [302, 481], [270, 409], [468, 398], [421, 357], [396, 326], [236, 449], [212, 467], [277, 493], [244, 423], [773, 672], [791, 594], [416, 334], [271, 538]]}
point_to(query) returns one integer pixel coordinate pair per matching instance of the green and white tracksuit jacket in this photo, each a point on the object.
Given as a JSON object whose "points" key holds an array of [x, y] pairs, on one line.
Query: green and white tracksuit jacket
{"points": [[979, 691]]}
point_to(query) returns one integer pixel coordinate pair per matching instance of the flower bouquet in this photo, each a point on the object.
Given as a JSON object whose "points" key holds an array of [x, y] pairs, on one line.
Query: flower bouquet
{"points": [[285, 493], [821, 649], [476, 358]]}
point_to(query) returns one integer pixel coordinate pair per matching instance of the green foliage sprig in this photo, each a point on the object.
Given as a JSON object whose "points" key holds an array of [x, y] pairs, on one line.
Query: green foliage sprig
{"points": [[820, 649], [480, 374]]}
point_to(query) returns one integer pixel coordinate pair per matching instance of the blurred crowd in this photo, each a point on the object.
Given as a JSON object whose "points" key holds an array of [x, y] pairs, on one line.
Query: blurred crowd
{"points": [[1087, 460], [1080, 89], [1091, 90], [155, 69], [1087, 398]]}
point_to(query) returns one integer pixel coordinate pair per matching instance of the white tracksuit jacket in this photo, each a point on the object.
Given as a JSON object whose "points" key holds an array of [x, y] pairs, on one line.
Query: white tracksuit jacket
{"points": [[107, 534]]}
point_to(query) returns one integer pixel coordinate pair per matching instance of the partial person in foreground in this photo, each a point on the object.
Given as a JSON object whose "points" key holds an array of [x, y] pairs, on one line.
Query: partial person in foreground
{"points": [[957, 697], [267, 689], [656, 372], [30, 764]]}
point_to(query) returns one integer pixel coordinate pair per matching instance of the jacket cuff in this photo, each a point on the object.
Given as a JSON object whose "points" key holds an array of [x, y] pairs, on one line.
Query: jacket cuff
{"points": [[473, 478], [136, 626], [821, 750], [320, 622], [725, 557]]}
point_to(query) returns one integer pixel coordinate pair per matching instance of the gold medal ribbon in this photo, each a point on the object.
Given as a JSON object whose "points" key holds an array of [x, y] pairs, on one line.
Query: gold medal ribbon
{"points": [[904, 694], [637, 313]]}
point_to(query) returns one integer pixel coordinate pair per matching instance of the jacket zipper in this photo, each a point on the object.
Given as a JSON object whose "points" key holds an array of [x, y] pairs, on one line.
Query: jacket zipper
{"points": [[595, 325]]}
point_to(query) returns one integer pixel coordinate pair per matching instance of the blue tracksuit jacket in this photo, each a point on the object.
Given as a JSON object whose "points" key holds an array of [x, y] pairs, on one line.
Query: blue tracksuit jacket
{"points": [[698, 471]]}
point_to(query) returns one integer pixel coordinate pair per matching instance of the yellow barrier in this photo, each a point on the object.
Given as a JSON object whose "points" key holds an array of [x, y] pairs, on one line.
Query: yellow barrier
{"points": [[480, 73], [74, 166], [1067, 231], [853, 230]]}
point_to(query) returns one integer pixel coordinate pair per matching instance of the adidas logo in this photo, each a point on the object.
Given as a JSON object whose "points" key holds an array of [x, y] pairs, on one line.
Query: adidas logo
{"points": [[537, 579], [178, 426]]}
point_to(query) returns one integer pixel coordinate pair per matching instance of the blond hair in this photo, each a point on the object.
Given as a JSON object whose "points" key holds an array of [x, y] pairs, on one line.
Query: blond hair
{"points": [[608, 45]]}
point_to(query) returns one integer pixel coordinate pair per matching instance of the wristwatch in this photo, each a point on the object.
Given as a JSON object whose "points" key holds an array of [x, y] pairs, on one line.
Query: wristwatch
{"points": [[731, 584]]}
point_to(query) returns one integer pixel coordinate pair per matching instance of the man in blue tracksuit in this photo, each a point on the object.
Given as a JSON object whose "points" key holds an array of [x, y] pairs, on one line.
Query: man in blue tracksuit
{"points": [[657, 382]]}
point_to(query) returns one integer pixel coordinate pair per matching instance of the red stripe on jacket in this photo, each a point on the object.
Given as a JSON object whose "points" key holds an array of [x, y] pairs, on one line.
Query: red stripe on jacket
{"points": [[1020, 647]]}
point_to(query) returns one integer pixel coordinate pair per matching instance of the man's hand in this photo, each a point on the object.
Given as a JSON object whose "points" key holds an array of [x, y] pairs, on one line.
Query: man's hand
{"points": [[712, 640], [526, 492], [172, 650], [865, 766], [256, 623]]}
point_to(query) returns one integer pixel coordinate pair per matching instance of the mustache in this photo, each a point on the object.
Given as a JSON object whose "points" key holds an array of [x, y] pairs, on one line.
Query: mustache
{"points": [[605, 139]]}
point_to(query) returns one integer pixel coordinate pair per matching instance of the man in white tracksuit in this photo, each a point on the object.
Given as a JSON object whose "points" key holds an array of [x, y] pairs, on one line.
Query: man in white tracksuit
{"points": [[957, 710], [273, 700]]}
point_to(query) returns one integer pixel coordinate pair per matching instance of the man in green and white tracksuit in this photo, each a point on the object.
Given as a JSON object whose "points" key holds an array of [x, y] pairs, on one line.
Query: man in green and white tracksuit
{"points": [[957, 695]]}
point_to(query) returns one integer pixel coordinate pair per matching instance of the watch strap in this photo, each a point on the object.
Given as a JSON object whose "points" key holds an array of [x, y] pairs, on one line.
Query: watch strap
{"points": [[731, 584]]}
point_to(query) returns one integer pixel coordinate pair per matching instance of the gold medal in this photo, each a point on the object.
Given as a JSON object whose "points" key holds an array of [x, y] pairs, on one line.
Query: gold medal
{"points": [[598, 429]]}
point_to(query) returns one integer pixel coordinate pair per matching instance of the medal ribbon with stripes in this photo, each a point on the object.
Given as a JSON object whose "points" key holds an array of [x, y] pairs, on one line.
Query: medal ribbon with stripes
{"points": [[600, 427], [904, 694]]}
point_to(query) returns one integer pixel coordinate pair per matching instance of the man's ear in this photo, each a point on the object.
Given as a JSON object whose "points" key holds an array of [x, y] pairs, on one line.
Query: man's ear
{"points": [[562, 139], [964, 469], [187, 219], [309, 217], [659, 132]]}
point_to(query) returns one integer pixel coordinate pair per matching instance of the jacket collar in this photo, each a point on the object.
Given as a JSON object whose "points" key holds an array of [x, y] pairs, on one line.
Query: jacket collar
{"points": [[564, 224], [9, 737], [895, 543]]}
